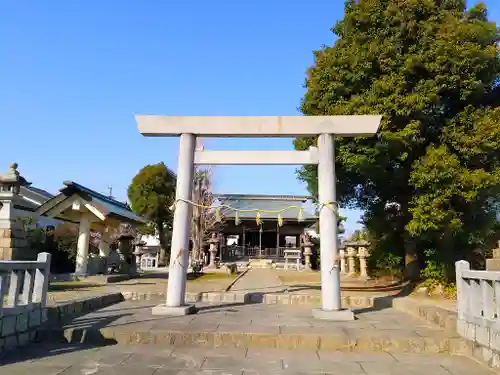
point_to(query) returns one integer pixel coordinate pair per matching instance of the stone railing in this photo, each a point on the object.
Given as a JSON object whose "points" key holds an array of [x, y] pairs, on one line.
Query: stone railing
{"points": [[354, 258], [478, 310], [24, 283], [23, 292]]}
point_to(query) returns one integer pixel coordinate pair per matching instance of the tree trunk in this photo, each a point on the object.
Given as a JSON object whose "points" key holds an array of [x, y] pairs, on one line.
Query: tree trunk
{"points": [[412, 263], [162, 259], [195, 236]]}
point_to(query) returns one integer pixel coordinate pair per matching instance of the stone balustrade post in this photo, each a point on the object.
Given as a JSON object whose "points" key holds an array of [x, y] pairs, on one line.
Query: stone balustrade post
{"points": [[41, 282], [343, 263], [351, 259], [463, 289], [24, 285]]}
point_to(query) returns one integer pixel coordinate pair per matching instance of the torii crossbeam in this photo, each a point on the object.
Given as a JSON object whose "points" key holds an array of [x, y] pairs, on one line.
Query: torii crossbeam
{"points": [[188, 128]]}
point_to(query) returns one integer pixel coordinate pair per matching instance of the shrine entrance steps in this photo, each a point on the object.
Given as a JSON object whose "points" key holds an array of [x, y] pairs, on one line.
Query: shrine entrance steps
{"points": [[271, 286], [234, 325], [245, 338]]}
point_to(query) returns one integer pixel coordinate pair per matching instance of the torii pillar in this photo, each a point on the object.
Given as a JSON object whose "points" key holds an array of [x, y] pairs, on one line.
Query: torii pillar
{"points": [[190, 127]]}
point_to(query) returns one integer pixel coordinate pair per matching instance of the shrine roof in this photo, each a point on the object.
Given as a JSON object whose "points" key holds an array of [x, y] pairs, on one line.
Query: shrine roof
{"points": [[267, 202], [101, 205]]}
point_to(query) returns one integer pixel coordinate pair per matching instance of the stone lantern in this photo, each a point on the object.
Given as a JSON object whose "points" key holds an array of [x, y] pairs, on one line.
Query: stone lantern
{"points": [[213, 243], [351, 260], [13, 243], [127, 258], [138, 252], [363, 254], [307, 245]]}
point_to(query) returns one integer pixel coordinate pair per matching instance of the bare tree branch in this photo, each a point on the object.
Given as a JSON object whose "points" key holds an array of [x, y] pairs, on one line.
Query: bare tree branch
{"points": [[204, 220]]}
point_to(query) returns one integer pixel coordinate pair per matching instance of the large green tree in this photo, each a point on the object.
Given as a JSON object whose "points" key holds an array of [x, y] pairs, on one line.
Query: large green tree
{"points": [[429, 180], [151, 194]]}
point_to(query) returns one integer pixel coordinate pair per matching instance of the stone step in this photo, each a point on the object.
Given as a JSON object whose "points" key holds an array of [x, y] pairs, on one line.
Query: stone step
{"points": [[355, 300], [348, 341], [236, 325]]}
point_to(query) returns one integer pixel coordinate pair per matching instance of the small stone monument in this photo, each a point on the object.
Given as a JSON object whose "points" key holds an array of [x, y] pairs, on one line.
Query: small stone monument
{"points": [[13, 241], [493, 264], [213, 242]]}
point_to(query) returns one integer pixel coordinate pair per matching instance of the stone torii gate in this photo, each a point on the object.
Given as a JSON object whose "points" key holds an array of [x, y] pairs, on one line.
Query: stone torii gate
{"points": [[188, 128]]}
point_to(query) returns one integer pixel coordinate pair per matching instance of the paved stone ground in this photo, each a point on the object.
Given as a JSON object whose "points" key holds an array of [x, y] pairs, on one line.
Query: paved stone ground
{"points": [[260, 326], [265, 280], [64, 359], [309, 282], [250, 318], [259, 280], [385, 342], [256, 280]]}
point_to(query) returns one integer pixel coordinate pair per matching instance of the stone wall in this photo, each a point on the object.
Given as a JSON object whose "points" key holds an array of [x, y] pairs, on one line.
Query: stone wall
{"points": [[481, 341], [18, 329], [23, 327], [486, 340], [478, 300]]}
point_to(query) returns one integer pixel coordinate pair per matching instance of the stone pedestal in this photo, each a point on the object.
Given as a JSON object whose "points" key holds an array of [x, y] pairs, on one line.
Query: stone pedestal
{"points": [[363, 264], [341, 315], [13, 239], [351, 260], [173, 310], [96, 265], [494, 263]]}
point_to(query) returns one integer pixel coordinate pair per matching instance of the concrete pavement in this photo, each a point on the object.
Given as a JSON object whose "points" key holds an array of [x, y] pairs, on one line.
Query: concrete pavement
{"points": [[64, 359]]}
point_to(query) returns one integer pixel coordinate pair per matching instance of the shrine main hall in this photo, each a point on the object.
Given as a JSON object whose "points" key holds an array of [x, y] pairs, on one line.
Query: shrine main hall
{"points": [[282, 221]]}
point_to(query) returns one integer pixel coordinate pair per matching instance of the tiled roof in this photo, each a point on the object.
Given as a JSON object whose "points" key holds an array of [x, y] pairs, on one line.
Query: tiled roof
{"points": [[108, 206], [94, 194], [297, 198], [262, 202], [45, 193]]}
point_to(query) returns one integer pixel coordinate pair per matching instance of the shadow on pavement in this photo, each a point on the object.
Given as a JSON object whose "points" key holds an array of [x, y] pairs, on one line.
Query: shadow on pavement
{"points": [[74, 336], [385, 302], [36, 351]]}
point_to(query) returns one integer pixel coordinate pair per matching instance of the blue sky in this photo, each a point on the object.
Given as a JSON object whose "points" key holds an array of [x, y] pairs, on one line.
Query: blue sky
{"points": [[73, 74]]}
